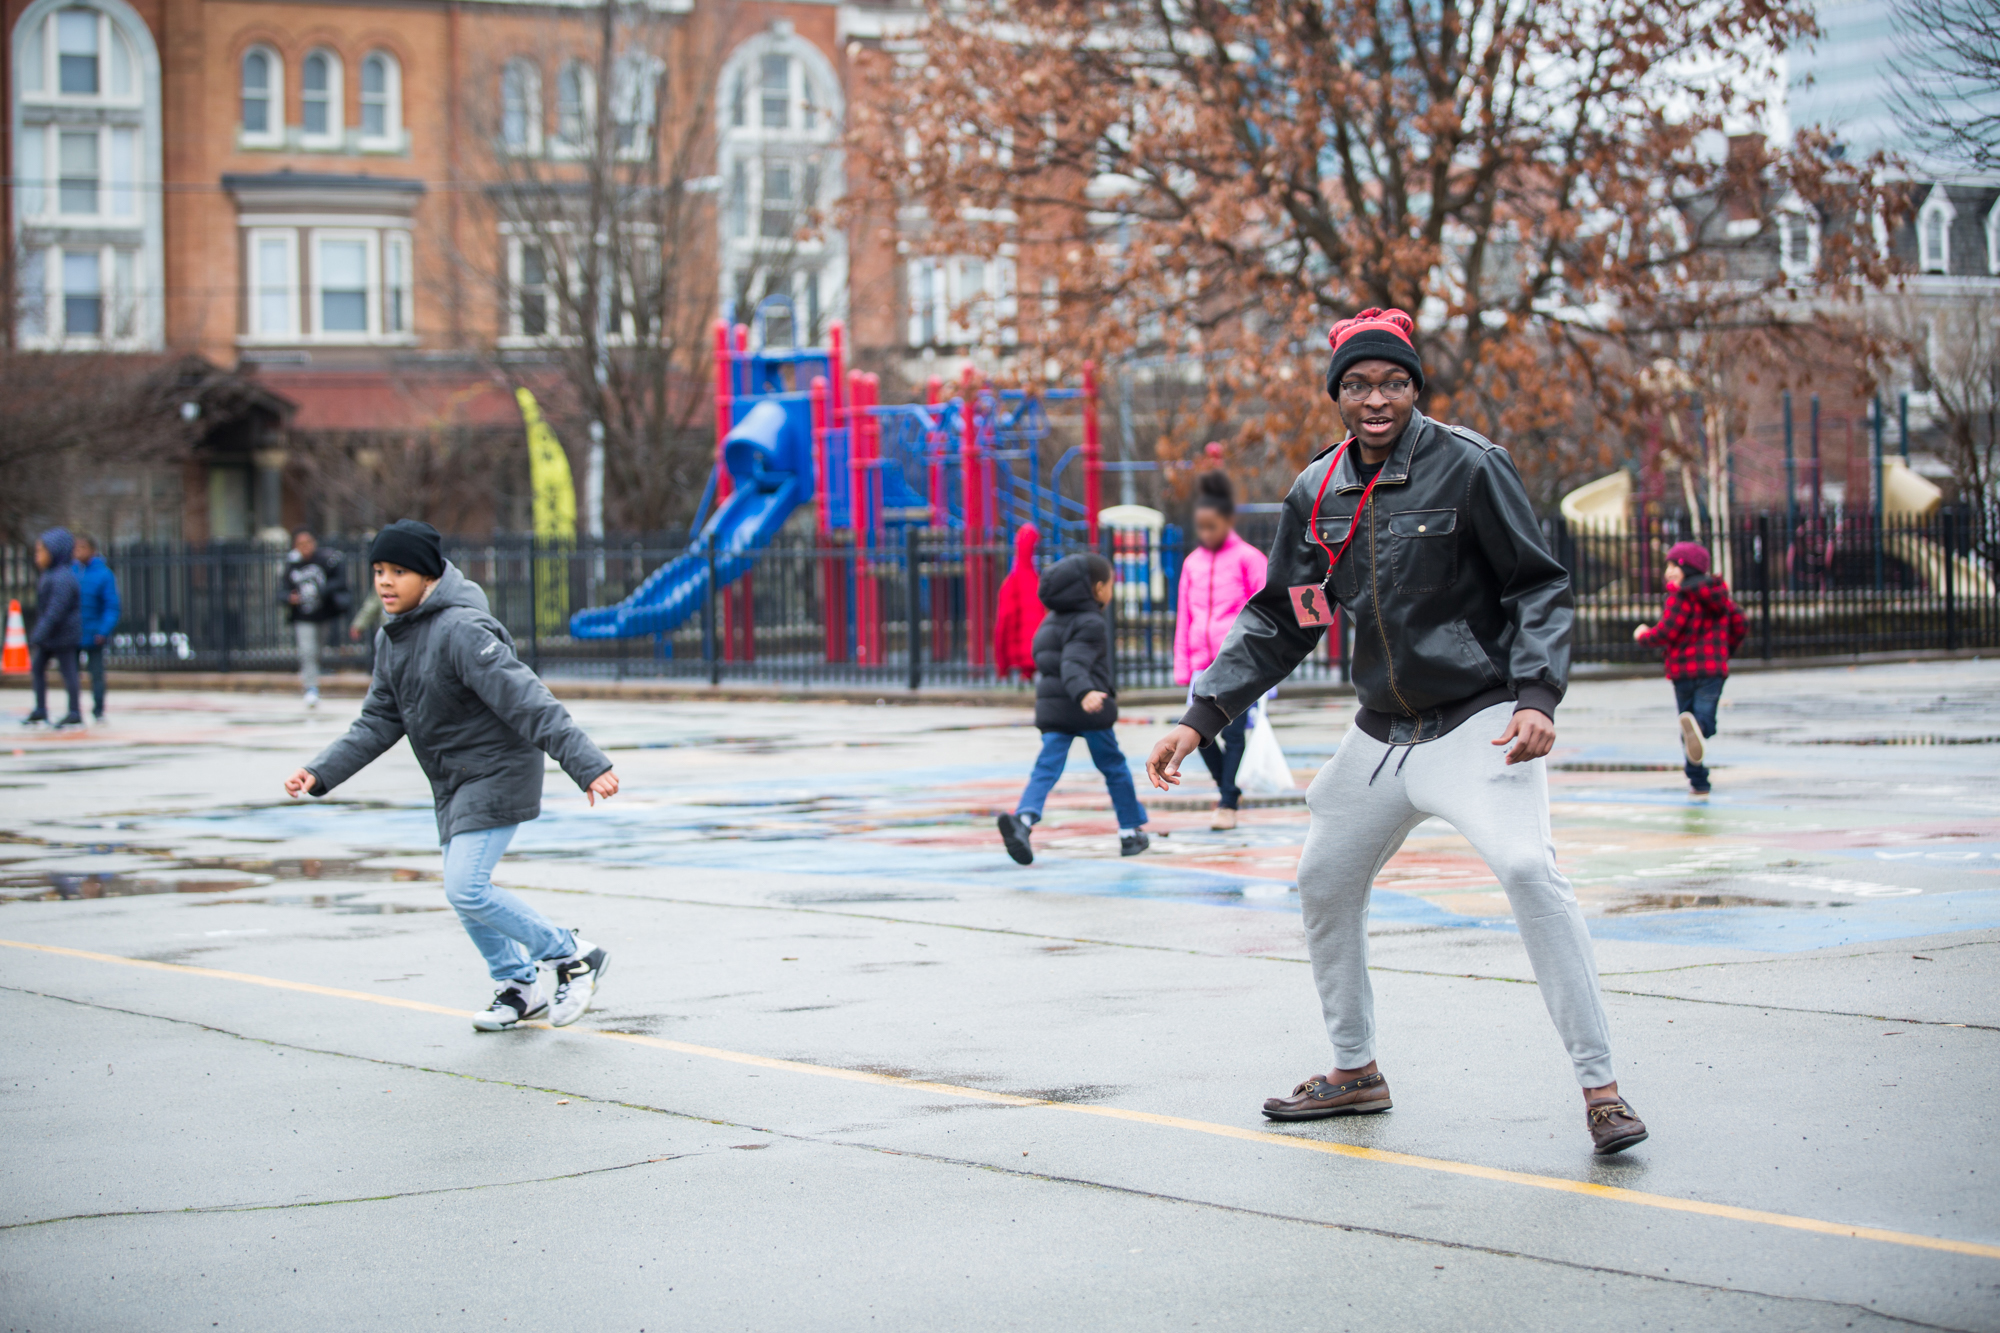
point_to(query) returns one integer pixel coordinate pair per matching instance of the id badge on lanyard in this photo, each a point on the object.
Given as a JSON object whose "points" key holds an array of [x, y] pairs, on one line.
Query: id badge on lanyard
{"points": [[1311, 604]]}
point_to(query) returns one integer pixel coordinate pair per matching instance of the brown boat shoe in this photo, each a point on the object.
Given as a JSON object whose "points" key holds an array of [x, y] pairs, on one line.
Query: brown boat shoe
{"points": [[1317, 1099], [1613, 1126]]}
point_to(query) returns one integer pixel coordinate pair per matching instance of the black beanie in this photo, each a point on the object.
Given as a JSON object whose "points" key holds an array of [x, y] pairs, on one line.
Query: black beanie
{"points": [[411, 544], [1373, 335]]}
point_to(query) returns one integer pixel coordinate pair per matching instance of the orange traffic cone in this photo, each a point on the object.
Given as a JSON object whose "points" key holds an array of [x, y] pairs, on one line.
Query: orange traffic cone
{"points": [[14, 660]]}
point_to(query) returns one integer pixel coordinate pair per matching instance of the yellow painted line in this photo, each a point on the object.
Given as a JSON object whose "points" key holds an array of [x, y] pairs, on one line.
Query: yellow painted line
{"points": [[1613, 1193]]}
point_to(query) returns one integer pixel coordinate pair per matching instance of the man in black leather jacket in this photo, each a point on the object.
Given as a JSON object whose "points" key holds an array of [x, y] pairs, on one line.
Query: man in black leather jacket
{"points": [[1423, 535]]}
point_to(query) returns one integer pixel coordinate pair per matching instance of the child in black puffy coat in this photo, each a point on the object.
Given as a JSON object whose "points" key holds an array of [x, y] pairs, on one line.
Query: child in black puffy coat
{"points": [[1075, 695]]}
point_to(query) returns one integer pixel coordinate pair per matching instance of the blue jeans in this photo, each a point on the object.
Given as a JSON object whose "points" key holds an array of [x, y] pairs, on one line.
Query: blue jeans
{"points": [[1699, 695], [93, 662], [1110, 761], [512, 936], [1224, 755]]}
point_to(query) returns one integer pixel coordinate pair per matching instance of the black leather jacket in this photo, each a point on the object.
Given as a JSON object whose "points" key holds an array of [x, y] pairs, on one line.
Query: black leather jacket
{"points": [[1455, 602]]}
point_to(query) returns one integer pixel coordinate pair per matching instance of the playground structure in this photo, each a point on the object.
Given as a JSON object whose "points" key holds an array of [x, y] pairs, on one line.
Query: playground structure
{"points": [[798, 427]]}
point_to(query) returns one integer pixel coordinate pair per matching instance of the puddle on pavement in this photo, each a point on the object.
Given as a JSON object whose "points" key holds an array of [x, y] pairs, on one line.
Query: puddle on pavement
{"points": [[1681, 902], [48, 887], [346, 904], [169, 874], [1920, 739]]}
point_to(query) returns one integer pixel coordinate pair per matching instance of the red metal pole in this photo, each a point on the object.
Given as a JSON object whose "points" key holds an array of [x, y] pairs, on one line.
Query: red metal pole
{"points": [[828, 572], [1093, 454], [973, 472]]}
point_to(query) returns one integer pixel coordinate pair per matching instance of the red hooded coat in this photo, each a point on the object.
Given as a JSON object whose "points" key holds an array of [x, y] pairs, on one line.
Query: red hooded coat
{"points": [[1021, 609]]}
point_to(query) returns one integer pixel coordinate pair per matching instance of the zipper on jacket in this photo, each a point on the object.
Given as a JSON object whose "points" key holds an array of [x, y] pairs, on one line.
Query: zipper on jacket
{"points": [[1375, 583]]}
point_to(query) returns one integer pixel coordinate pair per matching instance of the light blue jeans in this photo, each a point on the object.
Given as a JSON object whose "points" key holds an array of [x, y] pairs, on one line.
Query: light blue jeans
{"points": [[511, 935]]}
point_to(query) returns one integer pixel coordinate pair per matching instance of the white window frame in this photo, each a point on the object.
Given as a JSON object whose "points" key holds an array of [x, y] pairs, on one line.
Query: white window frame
{"points": [[371, 298], [1937, 206], [1993, 239], [401, 311], [560, 144], [273, 133], [335, 134], [552, 273], [391, 138], [531, 141], [51, 65], [118, 300], [1791, 211], [253, 318], [52, 194]]}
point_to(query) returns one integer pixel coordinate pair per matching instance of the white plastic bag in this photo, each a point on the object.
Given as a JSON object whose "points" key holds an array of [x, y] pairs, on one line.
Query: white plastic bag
{"points": [[1264, 771]]}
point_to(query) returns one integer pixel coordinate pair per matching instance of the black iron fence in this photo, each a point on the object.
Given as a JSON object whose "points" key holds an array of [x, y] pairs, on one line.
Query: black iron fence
{"points": [[919, 608]]}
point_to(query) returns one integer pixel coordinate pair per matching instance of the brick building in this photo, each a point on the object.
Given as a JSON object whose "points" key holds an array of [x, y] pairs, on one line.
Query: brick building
{"points": [[328, 200]]}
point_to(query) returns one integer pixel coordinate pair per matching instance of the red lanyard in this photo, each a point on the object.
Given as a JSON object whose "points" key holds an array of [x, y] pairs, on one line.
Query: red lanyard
{"points": [[1333, 556]]}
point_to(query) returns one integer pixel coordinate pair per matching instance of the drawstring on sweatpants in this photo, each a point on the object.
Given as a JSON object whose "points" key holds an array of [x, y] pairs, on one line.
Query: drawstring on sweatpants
{"points": [[1405, 747]]}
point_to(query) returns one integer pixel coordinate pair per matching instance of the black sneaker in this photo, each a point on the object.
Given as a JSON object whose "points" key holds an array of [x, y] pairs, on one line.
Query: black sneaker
{"points": [[1131, 844], [515, 1002], [1014, 832], [70, 720], [35, 719], [576, 981]]}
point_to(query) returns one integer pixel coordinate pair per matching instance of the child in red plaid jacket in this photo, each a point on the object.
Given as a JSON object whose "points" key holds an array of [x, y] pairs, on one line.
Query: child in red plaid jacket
{"points": [[1701, 628]]}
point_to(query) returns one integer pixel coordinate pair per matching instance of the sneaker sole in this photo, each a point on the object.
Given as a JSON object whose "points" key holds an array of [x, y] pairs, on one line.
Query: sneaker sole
{"points": [[1691, 738], [485, 1024], [596, 977]]}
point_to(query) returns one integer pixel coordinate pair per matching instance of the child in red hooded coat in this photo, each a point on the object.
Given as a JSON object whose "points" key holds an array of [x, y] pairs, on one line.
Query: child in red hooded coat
{"points": [[1021, 609]]}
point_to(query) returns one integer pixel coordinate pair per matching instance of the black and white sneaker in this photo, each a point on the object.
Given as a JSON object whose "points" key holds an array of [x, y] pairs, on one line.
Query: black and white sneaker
{"points": [[576, 981], [1131, 844], [1014, 832], [515, 1002]]}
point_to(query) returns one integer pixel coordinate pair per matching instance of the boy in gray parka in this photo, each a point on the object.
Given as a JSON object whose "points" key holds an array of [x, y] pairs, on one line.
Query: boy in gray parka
{"points": [[478, 721]]}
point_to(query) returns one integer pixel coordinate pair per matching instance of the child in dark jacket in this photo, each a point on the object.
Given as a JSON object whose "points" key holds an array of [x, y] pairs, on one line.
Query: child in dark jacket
{"points": [[1075, 696], [58, 628], [1702, 626], [479, 722], [101, 611]]}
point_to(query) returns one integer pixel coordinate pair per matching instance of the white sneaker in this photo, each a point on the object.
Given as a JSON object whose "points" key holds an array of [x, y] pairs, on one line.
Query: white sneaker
{"points": [[576, 981], [515, 1002], [1691, 737], [312, 699]]}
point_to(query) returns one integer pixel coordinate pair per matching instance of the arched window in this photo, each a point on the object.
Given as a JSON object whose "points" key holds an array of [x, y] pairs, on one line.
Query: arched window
{"points": [[1993, 239], [1934, 221], [1798, 240], [779, 162], [263, 98], [381, 102], [634, 103], [320, 89], [86, 227], [521, 108], [576, 108]]}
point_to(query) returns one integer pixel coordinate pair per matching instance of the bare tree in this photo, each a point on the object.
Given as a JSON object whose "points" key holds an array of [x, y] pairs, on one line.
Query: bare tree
{"points": [[604, 268], [1947, 89], [1954, 351]]}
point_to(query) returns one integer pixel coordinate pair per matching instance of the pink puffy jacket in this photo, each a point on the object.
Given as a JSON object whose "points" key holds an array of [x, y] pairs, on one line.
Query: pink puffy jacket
{"points": [[1215, 585]]}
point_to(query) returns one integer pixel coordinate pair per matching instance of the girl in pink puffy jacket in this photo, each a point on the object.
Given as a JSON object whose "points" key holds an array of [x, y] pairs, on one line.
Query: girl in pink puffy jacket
{"points": [[1220, 576]]}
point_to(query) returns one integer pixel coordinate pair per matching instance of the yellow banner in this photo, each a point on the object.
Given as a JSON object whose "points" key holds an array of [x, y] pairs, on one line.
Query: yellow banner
{"points": [[555, 517]]}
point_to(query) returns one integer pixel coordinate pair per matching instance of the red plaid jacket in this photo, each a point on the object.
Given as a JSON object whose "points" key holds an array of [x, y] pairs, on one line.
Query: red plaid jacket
{"points": [[1701, 628]]}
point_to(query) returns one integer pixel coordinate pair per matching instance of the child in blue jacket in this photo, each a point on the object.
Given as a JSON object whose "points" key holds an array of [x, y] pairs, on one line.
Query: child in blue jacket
{"points": [[58, 625], [98, 588]]}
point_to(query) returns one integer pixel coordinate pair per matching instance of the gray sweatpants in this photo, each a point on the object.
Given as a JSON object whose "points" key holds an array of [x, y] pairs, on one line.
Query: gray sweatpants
{"points": [[1463, 779], [308, 635]]}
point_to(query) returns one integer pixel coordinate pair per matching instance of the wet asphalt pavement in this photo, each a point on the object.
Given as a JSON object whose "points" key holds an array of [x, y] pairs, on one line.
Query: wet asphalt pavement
{"points": [[852, 1068]]}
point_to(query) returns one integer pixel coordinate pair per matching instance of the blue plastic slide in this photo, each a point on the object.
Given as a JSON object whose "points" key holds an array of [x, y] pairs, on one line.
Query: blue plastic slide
{"points": [[769, 457]]}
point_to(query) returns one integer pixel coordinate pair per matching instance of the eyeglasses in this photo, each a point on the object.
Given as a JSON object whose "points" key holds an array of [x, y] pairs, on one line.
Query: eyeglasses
{"points": [[1355, 391]]}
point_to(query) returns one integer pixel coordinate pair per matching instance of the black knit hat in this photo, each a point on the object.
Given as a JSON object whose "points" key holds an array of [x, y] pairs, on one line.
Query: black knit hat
{"points": [[1373, 335], [412, 544]]}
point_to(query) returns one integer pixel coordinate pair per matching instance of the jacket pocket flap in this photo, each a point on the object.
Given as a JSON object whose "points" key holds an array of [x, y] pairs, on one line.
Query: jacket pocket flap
{"points": [[1333, 531], [1424, 523]]}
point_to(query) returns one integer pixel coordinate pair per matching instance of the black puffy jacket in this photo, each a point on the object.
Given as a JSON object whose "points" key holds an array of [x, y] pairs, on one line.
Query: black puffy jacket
{"points": [[1072, 652], [1453, 597]]}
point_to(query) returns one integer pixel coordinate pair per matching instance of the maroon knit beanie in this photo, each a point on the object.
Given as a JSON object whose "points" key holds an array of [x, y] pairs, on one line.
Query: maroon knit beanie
{"points": [[1689, 555]]}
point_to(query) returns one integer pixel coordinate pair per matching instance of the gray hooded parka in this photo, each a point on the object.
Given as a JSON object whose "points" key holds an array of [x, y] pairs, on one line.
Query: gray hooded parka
{"points": [[478, 719]]}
